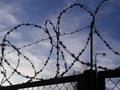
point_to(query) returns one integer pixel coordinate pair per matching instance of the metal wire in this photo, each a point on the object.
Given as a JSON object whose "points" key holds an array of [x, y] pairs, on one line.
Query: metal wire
{"points": [[112, 84]]}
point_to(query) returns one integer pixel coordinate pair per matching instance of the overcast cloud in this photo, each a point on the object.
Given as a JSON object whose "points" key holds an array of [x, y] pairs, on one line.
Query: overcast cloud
{"points": [[36, 12]]}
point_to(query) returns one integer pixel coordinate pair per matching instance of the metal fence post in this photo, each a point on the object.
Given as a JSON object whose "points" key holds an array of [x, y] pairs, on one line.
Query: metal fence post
{"points": [[101, 81], [80, 84], [88, 82]]}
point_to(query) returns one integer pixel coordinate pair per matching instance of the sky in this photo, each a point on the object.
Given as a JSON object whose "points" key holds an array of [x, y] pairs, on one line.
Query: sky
{"points": [[15, 12]]}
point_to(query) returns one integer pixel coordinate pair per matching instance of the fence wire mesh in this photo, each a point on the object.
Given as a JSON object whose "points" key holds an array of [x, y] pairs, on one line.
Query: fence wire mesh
{"points": [[112, 84], [63, 86]]}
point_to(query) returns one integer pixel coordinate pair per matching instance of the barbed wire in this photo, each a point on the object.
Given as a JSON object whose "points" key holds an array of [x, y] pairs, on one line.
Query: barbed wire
{"points": [[107, 45], [42, 40], [8, 43], [56, 45], [19, 53]]}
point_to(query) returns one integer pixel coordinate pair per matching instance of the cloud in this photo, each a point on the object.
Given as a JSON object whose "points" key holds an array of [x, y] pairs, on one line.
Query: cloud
{"points": [[7, 15], [38, 53]]}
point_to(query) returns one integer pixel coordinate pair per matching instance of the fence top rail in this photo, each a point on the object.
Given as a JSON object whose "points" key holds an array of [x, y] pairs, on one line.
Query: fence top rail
{"points": [[52, 81], [109, 73]]}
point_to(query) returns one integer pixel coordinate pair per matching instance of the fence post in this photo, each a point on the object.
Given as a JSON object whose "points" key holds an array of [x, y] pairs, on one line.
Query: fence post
{"points": [[101, 81], [88, 82], [80, 84]]}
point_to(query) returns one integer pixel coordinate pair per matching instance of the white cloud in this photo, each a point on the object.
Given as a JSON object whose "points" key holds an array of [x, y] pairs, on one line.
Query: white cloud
{"points": [[7, 15]]}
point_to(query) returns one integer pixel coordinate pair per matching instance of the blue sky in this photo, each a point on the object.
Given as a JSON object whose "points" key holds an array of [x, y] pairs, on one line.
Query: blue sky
{"points": [[17, 12]]}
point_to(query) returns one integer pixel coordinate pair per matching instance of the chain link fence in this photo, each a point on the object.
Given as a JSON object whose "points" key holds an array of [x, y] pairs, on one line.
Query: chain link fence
{"points": [[106, 80], [63, 83], [112, 84], [63, 86]]}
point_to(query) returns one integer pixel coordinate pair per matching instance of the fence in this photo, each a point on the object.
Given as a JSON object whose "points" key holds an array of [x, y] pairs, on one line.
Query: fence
{"points": [[76, 82], [109, 80], [112, 83], [86, 81], [51, 84]]}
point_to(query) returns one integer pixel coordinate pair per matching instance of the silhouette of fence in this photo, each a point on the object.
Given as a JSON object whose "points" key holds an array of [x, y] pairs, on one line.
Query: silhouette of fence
{"points": [[109, 80], [76, 82], [90, 79], [51, 84]]}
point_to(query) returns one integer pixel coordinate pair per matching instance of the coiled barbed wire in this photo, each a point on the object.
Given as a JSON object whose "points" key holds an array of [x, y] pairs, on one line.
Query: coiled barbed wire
{"points": [[107, 45], [9, 44], [56, 44]]}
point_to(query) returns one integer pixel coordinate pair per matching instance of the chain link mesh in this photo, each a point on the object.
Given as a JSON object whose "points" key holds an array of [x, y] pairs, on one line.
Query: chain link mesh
{"points": [[112, 84], [63, 86]]}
